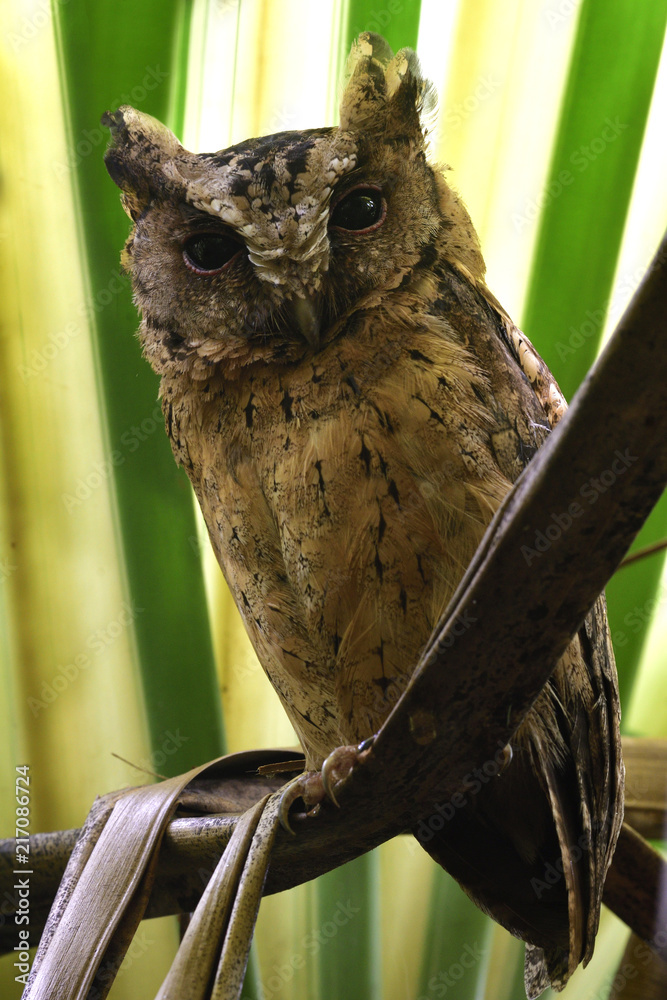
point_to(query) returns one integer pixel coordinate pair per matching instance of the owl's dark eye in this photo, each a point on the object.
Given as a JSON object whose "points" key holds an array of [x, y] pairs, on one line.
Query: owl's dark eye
{"points": [[207, 253], [360, 211]]}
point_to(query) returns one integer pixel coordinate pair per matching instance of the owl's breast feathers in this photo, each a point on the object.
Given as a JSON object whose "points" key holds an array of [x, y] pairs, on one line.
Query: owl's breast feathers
{"points": [[346, 493]]}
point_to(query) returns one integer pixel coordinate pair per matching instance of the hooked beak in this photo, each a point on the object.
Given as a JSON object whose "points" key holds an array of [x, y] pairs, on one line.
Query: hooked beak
{"points": [[304, 313]]}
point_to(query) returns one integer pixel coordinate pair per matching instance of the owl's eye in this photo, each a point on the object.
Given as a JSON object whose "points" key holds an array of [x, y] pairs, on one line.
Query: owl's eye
{"points": [[207, 253], [360, 211]]}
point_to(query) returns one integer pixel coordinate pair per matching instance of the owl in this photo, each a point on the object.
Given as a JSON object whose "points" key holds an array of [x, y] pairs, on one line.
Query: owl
{"points": [[351, 405]]}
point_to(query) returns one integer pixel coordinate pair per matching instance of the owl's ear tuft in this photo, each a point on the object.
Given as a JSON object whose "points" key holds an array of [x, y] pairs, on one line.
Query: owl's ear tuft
{"points": [[386, 92], [140, 158], [406, 83]]}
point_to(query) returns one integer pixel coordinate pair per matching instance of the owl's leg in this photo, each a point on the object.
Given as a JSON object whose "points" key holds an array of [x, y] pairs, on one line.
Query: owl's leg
{"points": [[314, 786]]}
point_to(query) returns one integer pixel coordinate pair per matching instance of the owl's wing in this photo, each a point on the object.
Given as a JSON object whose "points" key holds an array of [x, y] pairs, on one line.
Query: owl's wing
{"points": [[543, 383], [596, 748], [592, 725], [586, 794], [533, 848], [594, 732]]}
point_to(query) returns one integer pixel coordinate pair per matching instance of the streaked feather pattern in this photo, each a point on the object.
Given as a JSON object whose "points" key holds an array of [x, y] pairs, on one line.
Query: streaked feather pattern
{"points": [[352, 405]]}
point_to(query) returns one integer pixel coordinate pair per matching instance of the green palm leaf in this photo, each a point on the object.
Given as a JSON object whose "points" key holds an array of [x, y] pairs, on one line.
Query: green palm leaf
{"points": [[102, 556]]}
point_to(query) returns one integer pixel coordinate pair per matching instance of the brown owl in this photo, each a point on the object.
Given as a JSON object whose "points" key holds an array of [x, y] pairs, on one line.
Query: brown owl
{"points": [[351, 405]]}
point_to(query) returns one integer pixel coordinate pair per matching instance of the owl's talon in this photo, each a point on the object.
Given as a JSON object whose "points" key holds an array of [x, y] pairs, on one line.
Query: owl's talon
{"points": [[329, 779], [307, 786], [314, 786], [283, 813], [339, 765], [507, 755]]}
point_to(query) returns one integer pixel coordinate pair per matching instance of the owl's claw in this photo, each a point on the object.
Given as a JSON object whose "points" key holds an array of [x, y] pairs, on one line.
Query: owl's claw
{"points": [[307, 786], [314, 786], [336, 768]]}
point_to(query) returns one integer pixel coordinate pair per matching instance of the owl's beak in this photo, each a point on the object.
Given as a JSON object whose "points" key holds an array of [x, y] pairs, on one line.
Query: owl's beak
{"points": [[305, 314]]}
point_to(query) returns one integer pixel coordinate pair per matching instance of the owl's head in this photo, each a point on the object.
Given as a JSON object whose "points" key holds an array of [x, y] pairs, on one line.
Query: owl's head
{"points": [[263, 250]]}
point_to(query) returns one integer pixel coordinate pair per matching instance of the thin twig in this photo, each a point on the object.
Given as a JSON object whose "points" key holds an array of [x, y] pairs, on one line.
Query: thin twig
{"points": [[649, 550]]}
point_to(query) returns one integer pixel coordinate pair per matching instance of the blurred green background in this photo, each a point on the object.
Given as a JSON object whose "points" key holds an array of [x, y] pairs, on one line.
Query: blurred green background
{"points": [[117, 635]]}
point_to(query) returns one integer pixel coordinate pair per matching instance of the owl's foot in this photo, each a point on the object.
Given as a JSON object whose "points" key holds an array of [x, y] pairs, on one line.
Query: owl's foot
{"points": [[308, 787], [314, 786]]}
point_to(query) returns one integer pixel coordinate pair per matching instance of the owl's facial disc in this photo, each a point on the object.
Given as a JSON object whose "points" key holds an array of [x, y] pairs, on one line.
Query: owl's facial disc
{"points": [[263, 191], [262, 250]]}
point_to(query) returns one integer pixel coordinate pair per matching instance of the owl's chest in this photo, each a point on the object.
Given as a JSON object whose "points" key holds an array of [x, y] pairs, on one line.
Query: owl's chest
{"points": [[344, 498], [365, 469], [315, 474]]}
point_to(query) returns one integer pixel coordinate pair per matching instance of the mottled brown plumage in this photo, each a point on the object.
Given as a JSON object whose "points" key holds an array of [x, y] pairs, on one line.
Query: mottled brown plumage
{"points": [[351, 405]]}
